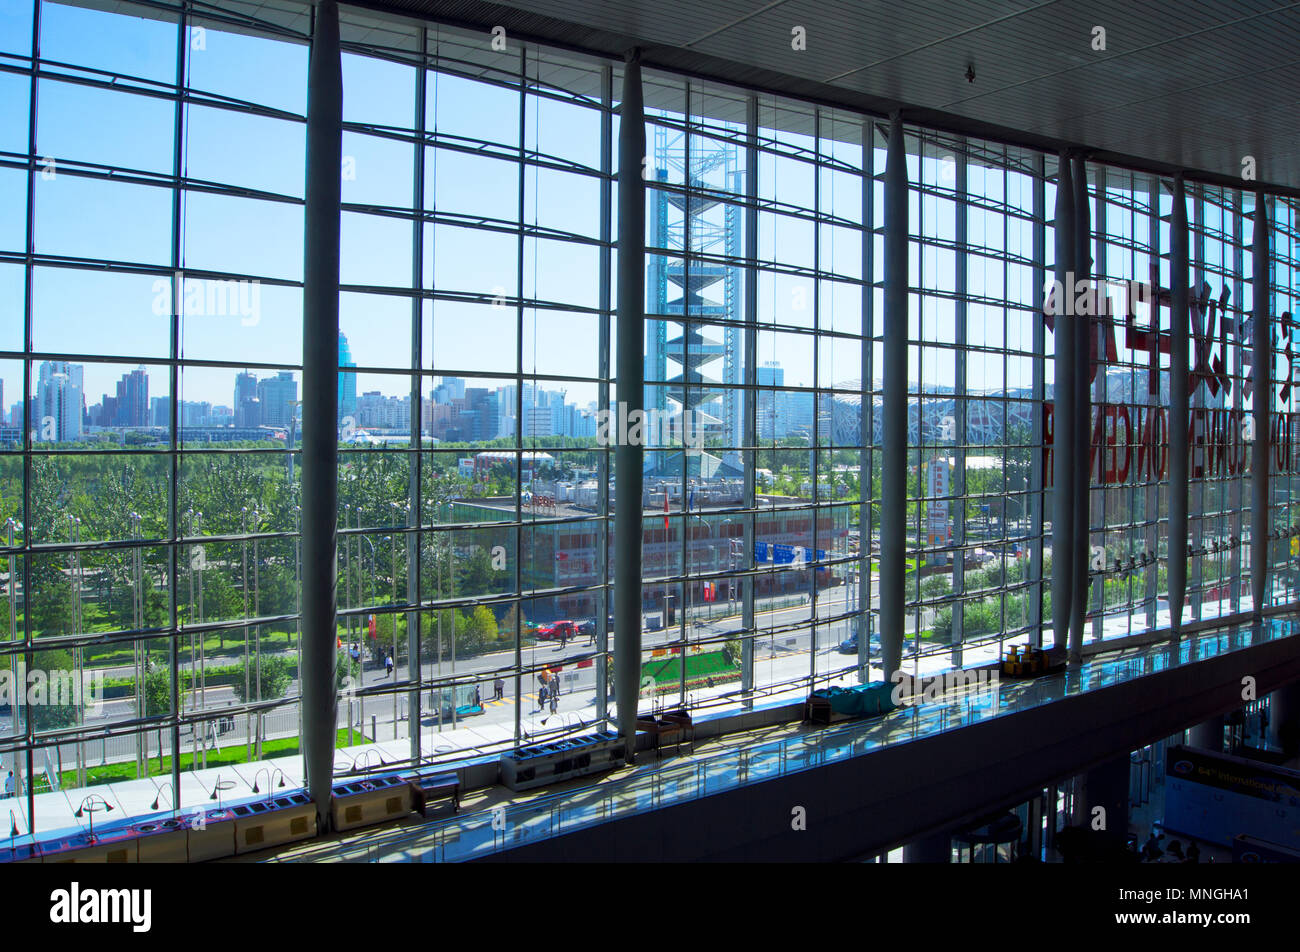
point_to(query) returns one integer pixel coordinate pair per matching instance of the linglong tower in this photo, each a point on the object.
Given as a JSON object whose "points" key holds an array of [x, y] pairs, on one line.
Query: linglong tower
{"points": [[692, 363]]}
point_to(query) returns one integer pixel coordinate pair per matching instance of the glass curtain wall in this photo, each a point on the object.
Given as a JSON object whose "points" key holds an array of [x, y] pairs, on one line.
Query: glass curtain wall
{"points": [[151, 217]]}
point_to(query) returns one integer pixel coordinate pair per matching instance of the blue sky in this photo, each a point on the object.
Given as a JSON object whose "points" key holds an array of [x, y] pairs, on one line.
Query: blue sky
{"points": [[92, 312]]}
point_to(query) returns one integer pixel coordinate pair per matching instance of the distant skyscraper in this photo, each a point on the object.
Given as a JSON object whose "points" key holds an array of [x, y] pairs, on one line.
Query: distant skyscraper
{"points": [[347, 381], [247, 407], [277, 395], [59, 401], [133, 399], [449, 389]]}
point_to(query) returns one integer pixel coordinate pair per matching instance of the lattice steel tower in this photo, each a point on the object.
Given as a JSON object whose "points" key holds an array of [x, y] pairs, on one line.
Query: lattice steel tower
{"points": [[699, 364]]}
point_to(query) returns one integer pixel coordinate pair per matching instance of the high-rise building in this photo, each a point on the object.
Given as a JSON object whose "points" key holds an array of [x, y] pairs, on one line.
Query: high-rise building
{"points": [[60, 404], [347, 380], [278, 395], [247, 407], [133, 399]]}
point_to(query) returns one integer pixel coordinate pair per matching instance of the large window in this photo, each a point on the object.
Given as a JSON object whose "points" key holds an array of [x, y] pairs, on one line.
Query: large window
{"points": [[151, 266]]}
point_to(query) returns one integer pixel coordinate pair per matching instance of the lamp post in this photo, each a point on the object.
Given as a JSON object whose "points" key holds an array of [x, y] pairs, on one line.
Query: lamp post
{"points": [[137, 658], [220, 787], [257, 631], [297, 594], [197, 564], [243, 527], [78, 628], [392, 549], [171, 796], [731, 562], [92, 805], [12, 526], [270, 780]]}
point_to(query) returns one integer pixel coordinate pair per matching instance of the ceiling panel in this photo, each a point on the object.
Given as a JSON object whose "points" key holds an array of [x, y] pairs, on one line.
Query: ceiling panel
{"points": [[1182, 84]]}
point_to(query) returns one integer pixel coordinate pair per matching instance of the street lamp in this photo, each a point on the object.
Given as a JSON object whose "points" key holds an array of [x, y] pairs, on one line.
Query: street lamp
{"points": [[270, 779], [731, 568], [171, 796], [78, 628], [92, 805], [709, 528], [219, 787]]}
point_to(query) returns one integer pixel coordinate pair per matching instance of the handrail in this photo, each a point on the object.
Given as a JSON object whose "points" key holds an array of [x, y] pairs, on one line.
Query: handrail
{"points": [[473, 835]]}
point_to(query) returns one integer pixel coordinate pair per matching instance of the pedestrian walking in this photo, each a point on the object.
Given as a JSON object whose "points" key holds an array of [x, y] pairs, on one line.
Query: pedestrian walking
{"points": [[9, 785], [498, 689], [555, 701], [388, 663]]}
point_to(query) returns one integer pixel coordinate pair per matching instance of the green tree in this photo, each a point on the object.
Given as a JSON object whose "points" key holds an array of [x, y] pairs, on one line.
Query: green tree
{"points": [[475, 631], [731, 650], [157, 691], [474, 573], [275, 677], [53, 694]]}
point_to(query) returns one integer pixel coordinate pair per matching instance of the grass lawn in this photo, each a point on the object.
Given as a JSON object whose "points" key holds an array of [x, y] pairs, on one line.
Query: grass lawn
{"points": [[234, 648], [233, 753], [669, 669]]}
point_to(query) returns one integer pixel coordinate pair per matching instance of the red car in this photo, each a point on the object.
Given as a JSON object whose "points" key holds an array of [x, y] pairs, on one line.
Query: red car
{"points": [[560, 631]]}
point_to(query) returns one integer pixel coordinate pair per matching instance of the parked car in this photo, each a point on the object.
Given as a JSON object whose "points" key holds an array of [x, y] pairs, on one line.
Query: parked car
{"points": [[587, 629], [560, 631], [850, 646]]}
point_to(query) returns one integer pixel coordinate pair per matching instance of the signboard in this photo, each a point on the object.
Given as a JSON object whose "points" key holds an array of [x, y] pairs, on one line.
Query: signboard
{"points": [[938, 525], [1215, 797]]}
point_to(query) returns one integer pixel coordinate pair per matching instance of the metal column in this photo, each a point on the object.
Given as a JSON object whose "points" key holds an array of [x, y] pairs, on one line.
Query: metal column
{"points": [[1036, 474], [603, 390], [1178, 416], [961, 438], [893, 504], [1084, 343], [320, 367], [628, 459], [866, 421], [747, 619], [1261, 366], [1063, 417]]}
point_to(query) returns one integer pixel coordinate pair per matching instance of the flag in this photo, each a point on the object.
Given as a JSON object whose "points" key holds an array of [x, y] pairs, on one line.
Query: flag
{"points": [[665, 510]]}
